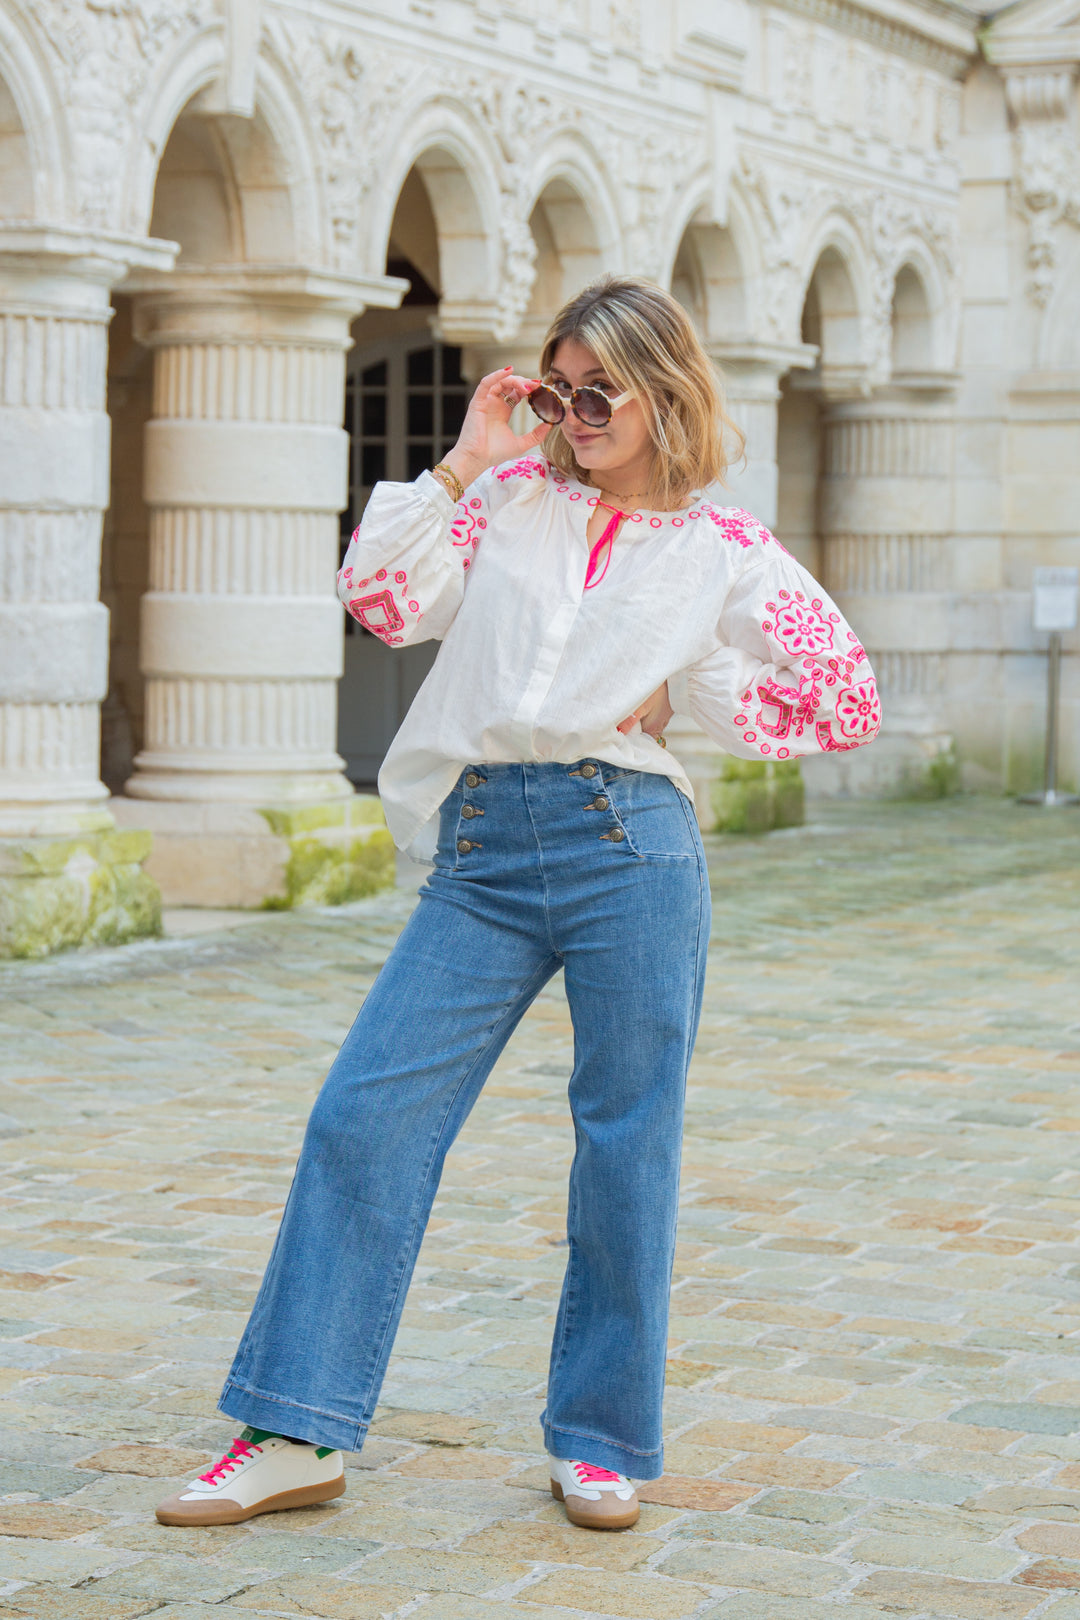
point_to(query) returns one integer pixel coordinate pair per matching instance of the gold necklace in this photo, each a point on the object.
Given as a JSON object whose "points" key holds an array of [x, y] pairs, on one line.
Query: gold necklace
{"points": [[631, 495]]}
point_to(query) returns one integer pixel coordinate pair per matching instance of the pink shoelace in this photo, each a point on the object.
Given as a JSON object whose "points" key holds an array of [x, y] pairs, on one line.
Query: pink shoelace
{"points": [[238, 1452], [589, 1475]]}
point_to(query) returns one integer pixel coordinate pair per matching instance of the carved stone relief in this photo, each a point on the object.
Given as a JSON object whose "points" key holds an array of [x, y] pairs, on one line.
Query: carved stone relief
{"points": [[786, 200], [1046, 175], [105, 51]]}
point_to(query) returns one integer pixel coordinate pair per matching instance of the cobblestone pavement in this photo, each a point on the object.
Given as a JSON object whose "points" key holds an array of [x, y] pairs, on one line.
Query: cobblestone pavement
{"points": [[874, 1395]]}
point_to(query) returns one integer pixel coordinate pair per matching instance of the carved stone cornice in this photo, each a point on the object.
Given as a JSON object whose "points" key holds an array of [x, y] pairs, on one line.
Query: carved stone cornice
{"points": [[940, 37]]}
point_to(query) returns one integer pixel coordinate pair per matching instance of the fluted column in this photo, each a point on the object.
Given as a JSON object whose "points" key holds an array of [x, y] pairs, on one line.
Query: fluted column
{"points": [[54, 455], [751, 376], [246, 458], [886, 515]]}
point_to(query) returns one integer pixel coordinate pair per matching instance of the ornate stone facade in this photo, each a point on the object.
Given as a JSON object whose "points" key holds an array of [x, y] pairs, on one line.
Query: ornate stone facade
{"points": [[873, 214]]}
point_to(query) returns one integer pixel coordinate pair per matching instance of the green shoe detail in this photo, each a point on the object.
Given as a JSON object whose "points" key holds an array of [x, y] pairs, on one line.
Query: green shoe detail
{"points": [[255, 1437]]}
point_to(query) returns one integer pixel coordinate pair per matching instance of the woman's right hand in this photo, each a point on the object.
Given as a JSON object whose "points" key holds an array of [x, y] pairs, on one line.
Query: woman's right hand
{"points": [[486, 438]]}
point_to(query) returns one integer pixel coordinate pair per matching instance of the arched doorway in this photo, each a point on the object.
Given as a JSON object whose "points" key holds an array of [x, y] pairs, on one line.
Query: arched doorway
{"points": [[405, 400]]}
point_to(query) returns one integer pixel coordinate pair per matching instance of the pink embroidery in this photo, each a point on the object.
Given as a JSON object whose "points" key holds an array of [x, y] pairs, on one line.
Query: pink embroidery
{"points": [[525, 468], [827, 742], [800, 628], [858, 710], [739, 526], [381, 574], [384, 616], [467, 526], [777, 708]]}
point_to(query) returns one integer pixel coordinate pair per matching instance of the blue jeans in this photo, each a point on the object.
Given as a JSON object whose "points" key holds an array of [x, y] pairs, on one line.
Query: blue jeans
{"points": [[585, 867]]}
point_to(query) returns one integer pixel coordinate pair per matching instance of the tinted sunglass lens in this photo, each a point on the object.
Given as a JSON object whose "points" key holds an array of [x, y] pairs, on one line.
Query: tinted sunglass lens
{"points": [[547, 405], [592, 407]]}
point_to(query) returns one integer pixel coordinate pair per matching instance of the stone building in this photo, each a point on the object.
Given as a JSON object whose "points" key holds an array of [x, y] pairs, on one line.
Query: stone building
{"points": [[227, 227]]}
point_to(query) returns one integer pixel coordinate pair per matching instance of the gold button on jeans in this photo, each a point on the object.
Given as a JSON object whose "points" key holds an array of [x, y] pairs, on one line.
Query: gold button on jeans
{"points": [[464, 846]]}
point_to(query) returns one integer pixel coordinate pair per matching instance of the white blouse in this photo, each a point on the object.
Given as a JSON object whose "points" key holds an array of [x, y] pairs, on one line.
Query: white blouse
{"points": [[535, 665]]}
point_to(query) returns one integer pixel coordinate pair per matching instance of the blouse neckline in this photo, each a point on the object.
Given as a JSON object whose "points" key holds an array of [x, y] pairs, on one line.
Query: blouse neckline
{"points": [[566, 483]]}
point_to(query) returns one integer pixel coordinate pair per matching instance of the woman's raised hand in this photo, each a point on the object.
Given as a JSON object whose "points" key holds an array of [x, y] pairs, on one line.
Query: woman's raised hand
{"points": [[486, 437]]}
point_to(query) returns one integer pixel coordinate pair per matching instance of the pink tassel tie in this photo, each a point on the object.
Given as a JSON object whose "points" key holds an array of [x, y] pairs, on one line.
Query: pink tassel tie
{"points": [[607, 539]]}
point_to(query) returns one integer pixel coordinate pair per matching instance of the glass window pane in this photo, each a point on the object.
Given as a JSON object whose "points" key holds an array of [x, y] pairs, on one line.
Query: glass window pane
{"points": [[374, 376], [451, 365], [422, 366], [419, 457], [453, 411], [421, 414], [374, 463], [373, 416]]}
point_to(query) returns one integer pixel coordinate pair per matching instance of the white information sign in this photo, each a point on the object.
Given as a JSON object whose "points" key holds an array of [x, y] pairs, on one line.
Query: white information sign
{"points": [[1056, 592]]}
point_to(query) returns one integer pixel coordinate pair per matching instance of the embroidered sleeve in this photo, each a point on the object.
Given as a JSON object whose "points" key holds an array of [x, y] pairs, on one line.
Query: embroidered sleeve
{"points": [[404, 574], [789, 676]]}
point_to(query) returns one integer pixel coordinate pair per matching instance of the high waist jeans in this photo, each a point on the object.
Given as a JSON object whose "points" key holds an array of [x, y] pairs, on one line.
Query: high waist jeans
{"points": [[582, 866]]}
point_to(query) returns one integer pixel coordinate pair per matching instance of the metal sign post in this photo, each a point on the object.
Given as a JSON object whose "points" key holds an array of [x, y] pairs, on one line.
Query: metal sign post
{"points": [[1056, 591]]}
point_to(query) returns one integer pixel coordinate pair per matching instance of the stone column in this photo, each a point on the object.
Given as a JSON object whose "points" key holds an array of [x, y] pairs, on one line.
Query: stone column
{"points": [[245, 474], [241, 636], [886, 514], [66, 877], [751, 377]]}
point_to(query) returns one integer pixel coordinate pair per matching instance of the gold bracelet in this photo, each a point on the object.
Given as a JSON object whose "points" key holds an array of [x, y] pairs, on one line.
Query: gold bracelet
{"points": [[452, 483]]}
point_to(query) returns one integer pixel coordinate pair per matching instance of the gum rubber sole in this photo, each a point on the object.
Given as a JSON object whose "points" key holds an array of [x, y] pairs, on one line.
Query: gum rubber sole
{"points": [[306, 1496], [607, 1521]]}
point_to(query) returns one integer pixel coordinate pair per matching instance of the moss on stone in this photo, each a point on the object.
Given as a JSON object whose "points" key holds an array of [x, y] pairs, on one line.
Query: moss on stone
{"points": [[758, 795], [331, 872], [56, 893], [935, 777], [336, 852], [290, 821]]}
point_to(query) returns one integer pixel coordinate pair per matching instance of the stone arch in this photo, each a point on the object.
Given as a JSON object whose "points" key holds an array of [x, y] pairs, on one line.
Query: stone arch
{"points": [[458, 171], [222, 191], [265, 164], [912, 324], [835, 306], [33, 151], [921, 329], [574, 227], [709, 278]]}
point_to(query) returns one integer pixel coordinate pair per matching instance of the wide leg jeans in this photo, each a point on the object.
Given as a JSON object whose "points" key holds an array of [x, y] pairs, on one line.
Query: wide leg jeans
{"points": [[600, 872]]}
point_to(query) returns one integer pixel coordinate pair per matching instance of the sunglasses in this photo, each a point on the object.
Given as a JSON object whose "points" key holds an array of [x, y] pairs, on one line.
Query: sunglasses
{"points": [[590, 405]]}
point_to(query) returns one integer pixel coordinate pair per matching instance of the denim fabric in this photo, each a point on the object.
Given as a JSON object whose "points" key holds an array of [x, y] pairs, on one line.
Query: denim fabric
{"points": [[596, 870]]}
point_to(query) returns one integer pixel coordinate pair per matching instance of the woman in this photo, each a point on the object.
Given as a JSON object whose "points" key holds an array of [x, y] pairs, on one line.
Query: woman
{"points": [[580, 593]]}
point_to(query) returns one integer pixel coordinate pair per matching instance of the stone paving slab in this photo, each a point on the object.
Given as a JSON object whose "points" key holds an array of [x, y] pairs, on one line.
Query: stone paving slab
{"points": [[874, 1376]]}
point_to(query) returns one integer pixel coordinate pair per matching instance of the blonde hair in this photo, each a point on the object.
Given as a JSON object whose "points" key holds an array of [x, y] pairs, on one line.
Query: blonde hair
{"points": [[648, 344]]}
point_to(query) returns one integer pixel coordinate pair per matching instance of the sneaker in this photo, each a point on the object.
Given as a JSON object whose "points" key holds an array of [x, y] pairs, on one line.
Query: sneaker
{"points": [[260, 1473], [594, 1498]]}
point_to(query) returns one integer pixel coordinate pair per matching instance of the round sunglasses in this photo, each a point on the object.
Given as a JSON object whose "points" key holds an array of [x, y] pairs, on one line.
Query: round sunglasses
{"points": [[590, 405]]}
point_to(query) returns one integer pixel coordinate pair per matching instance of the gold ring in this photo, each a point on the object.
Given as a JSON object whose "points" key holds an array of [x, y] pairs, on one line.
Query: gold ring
{"points": [[661, 739], [509, 399]]}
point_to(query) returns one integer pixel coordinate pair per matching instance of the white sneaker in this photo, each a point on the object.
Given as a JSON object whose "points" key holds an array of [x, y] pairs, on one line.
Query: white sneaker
{"points": [[260, 1473], [594, 1498]]}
